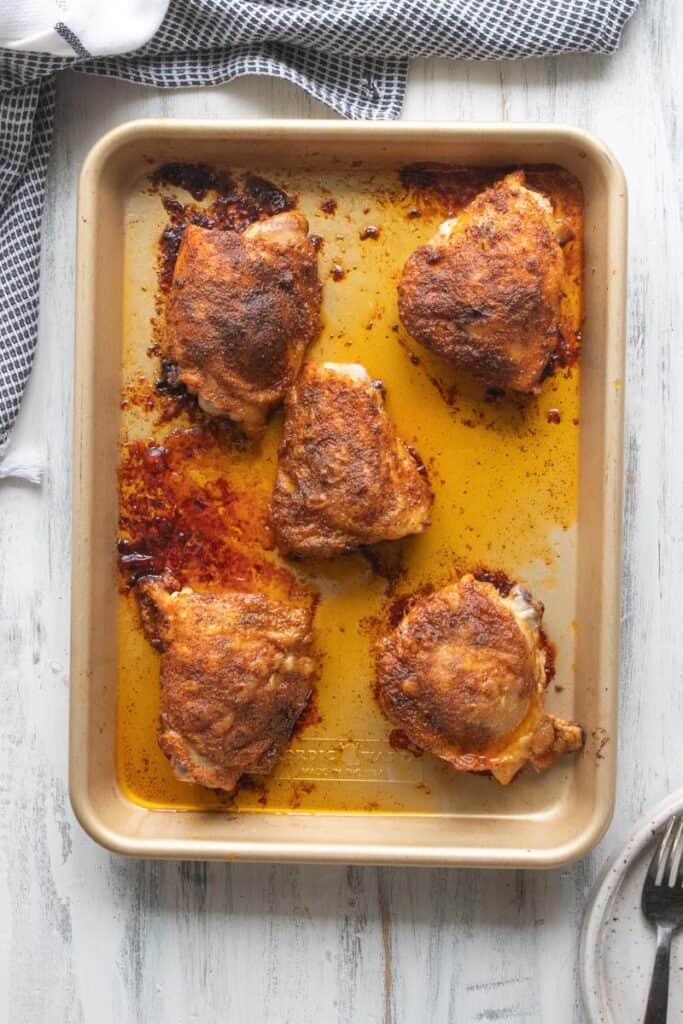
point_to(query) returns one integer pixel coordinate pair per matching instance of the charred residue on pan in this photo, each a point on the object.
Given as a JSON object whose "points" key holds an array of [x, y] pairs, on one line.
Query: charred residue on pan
{"points": [[550, 651], [237, 204], [496, 577], [447, 188], [199, 525], [166, 398], [179, 399], [197, 179], [566, 354]]}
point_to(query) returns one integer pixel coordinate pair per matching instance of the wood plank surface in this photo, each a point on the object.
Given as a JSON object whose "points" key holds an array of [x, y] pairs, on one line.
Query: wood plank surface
{"points": [[85, 936]]}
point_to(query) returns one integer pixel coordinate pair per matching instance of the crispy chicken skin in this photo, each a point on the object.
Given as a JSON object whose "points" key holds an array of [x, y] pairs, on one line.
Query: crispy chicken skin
{"points": [[235, 676], [344, 477], [241, 311], [485, 292], [463, 676]]}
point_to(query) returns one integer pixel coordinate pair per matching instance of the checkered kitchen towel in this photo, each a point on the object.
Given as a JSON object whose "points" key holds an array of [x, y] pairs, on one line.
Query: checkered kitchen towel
{"points": [[351, 54]]}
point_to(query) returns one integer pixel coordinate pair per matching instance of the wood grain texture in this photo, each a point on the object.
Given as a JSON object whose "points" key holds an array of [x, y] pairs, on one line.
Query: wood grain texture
{"points": [[85, 936]]}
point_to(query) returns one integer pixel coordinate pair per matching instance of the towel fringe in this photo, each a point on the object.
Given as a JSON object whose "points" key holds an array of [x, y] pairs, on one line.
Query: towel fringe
{"points": [[21, 466]]}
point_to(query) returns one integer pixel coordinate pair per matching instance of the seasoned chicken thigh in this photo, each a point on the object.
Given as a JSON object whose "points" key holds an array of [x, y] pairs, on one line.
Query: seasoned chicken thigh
{"points": [[344, 477], [241, 311], [463, 677], [485, 292], [235, 676]]}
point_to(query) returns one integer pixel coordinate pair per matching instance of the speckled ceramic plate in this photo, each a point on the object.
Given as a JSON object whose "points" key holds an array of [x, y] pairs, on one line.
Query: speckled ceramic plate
{"points": [[617, 943]]}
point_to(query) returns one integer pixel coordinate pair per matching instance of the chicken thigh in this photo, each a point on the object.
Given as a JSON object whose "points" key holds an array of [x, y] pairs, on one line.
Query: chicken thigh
{"points": [[485, 292], [463, 676], [344, 477], [235, 676], [241, 311]]}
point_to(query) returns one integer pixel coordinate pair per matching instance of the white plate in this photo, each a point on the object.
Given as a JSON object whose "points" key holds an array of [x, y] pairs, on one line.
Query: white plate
{"points": [[617, 944]]}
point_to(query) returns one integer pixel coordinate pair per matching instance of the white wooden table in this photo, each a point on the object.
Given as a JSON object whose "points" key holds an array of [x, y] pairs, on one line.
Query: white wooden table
{"points": [[85, 936]]}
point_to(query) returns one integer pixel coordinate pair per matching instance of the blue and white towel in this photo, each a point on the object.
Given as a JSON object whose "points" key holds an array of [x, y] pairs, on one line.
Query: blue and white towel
{"points": [[350, 54]]}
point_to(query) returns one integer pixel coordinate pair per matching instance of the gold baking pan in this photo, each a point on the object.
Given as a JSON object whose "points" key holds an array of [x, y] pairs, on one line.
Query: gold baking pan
{"points": [[532, 489]]}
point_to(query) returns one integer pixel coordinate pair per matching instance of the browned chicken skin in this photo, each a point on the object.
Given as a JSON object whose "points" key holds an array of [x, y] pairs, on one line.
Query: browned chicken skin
{"points": [[344, 477], [241, 311], [235, 676], [463, 676], [485, 292]]}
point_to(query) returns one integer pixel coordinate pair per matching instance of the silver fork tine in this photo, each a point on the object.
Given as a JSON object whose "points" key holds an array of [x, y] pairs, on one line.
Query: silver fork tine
{"points": [[676, 852], [656, 869], [664, 870], [662, 905]]}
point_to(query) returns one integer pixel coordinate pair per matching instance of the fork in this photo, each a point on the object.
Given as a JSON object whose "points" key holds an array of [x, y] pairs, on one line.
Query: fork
{"points": [[662, 904]]}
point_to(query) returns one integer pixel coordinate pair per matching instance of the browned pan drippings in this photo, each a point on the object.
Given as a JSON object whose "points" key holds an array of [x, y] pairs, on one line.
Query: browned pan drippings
{"points": [[194, 494]]}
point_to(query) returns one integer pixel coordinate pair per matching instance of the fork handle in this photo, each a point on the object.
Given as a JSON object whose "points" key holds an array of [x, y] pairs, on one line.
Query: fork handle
{"points": [[658, 999]]}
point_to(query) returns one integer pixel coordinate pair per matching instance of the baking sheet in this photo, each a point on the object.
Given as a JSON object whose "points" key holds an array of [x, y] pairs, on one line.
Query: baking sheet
{"points": [[332, 788]]}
